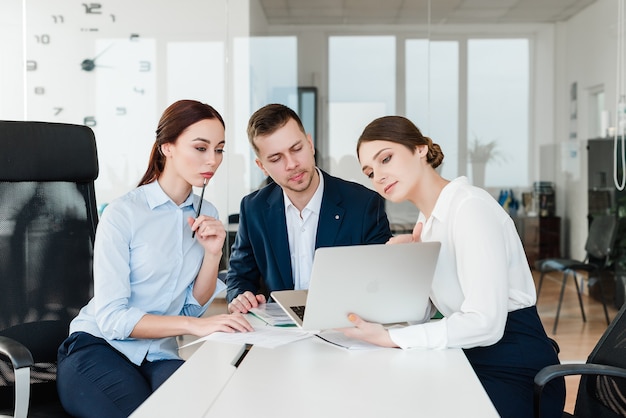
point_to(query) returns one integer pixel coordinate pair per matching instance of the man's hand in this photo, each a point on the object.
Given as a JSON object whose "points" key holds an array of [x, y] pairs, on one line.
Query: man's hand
{"points": [[244, 302]]}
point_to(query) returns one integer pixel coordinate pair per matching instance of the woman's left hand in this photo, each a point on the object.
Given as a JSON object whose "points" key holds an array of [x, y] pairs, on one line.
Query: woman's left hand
{"points": [[210, 232], [368, 331]]}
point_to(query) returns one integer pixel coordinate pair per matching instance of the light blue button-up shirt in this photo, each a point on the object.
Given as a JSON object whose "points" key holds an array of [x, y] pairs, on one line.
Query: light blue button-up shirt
{"points": [[145, 262]]}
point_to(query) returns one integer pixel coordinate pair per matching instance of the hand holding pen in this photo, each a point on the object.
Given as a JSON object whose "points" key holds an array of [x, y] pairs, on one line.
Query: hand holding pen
{"points": [[208, 230], [206, 181]]}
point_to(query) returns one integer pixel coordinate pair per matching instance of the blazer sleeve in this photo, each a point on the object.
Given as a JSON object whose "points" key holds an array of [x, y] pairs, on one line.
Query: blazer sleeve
{"points": [[376, 228], [243, 273]]}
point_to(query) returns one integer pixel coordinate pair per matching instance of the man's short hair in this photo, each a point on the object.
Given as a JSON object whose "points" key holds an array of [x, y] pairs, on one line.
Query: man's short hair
{"points": [[268, 120]]}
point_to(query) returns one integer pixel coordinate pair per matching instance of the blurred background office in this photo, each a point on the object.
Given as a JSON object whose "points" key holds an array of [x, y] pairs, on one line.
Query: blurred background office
{"points": [[513, 90]]}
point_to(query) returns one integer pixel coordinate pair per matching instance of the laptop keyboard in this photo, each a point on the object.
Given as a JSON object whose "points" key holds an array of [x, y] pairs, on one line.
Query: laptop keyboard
{"points": [[299, 310]]}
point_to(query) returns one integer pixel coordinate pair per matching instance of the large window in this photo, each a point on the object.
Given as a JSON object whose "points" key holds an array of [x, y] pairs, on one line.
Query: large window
{"points": [[472, 98], [453, 90], [497, 108], [266, 71], [432, 95], [362, 87]]}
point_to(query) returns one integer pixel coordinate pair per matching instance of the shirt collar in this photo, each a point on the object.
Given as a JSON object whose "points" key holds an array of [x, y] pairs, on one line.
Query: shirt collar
{"points": [[155, 196], [442, 206], [315, 203]]}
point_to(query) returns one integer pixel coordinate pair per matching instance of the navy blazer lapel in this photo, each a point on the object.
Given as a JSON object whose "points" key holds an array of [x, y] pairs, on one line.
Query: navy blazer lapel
{"points": [[274, 217], [331, 213]]}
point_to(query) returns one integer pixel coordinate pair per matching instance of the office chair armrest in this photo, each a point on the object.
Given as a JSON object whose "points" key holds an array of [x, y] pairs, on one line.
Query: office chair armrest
{"points": [[549, 373], [16, 352], [22, 360]]}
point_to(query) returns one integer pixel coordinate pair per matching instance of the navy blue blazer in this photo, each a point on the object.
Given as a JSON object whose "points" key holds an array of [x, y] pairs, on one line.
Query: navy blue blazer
{"points": [[260, 262]]}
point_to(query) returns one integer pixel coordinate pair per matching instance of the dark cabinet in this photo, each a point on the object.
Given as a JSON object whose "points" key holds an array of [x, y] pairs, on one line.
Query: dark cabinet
{"points": [[541, 236], [605, 198]]}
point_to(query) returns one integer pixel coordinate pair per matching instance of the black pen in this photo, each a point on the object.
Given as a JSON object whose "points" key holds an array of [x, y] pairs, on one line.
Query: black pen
{"points": [[242, 354], [193, 234]]}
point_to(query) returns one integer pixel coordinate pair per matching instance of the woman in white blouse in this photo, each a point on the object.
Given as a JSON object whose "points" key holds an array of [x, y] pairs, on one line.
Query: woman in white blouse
{"points": [[483, 285]]}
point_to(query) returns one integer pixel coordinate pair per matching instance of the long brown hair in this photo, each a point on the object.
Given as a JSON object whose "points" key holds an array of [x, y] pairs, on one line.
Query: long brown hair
{"points": [[175, 119], [401, 131]]}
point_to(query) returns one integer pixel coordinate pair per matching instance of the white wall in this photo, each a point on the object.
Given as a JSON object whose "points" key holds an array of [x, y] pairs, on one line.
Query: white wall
{"points": [[11, 61], [586, 54], [258, 21]]}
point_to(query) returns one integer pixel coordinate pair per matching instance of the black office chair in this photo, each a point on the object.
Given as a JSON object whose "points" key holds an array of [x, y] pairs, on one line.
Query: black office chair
{"points": [[599, 244], [48, 220], [602, 387]]}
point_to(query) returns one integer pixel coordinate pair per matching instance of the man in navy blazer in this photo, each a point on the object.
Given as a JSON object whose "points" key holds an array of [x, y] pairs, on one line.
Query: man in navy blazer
{"points": [[304, 208]]}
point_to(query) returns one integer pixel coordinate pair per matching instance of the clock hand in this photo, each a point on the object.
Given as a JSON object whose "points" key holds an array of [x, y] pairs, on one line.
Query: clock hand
{"points": [[89, 64]]}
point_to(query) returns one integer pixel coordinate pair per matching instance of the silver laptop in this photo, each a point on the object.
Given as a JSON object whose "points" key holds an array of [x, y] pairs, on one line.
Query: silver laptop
{"points": [[381, 283]]}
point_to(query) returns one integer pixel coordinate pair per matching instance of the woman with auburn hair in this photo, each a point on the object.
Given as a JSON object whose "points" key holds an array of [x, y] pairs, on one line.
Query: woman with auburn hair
{"points": [[483, 285], [155, 273]]}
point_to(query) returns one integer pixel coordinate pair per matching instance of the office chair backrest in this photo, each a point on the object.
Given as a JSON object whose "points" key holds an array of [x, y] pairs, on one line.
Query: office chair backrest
{"points": [[603, 396], [601, 236], [48, 220]]}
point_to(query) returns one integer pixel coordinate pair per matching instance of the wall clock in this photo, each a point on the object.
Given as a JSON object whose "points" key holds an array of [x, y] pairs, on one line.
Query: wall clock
{"points": [[115, 65], [71, 46], [88, 63]]}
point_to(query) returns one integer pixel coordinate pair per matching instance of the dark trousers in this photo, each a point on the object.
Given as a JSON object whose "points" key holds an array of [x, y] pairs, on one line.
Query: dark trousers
{"points": [[507, 368], [95, 380]]}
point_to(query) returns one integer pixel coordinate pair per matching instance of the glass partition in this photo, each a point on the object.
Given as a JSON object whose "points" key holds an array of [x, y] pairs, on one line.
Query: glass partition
{"points": [[116, 65], [432, 95], [361, 87]]}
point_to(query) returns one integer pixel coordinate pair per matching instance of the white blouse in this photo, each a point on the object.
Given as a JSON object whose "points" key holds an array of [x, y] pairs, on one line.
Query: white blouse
{"points": [[481, 274]]}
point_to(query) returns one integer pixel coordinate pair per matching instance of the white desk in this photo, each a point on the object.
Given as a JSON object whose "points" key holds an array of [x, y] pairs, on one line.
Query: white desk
{"points": [[195, 385], [310, 378]]}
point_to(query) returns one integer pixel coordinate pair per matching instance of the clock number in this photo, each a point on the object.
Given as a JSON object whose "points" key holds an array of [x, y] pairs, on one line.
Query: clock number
{"points": [[120, 111], [40, 90], [42, 39], [144, 66], [58, 18], [134, 37], [31, 65], [57, 110], [92, 8], [139, 90], [90, 121]]}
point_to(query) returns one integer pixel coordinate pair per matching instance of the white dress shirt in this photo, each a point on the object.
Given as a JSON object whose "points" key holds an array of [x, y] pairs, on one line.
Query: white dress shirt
{"points": [[145, 261], [481, 274], [302, 233]]}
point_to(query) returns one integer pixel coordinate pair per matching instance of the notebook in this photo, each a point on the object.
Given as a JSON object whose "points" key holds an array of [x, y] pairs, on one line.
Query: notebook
{"points": [[381, 283]]}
